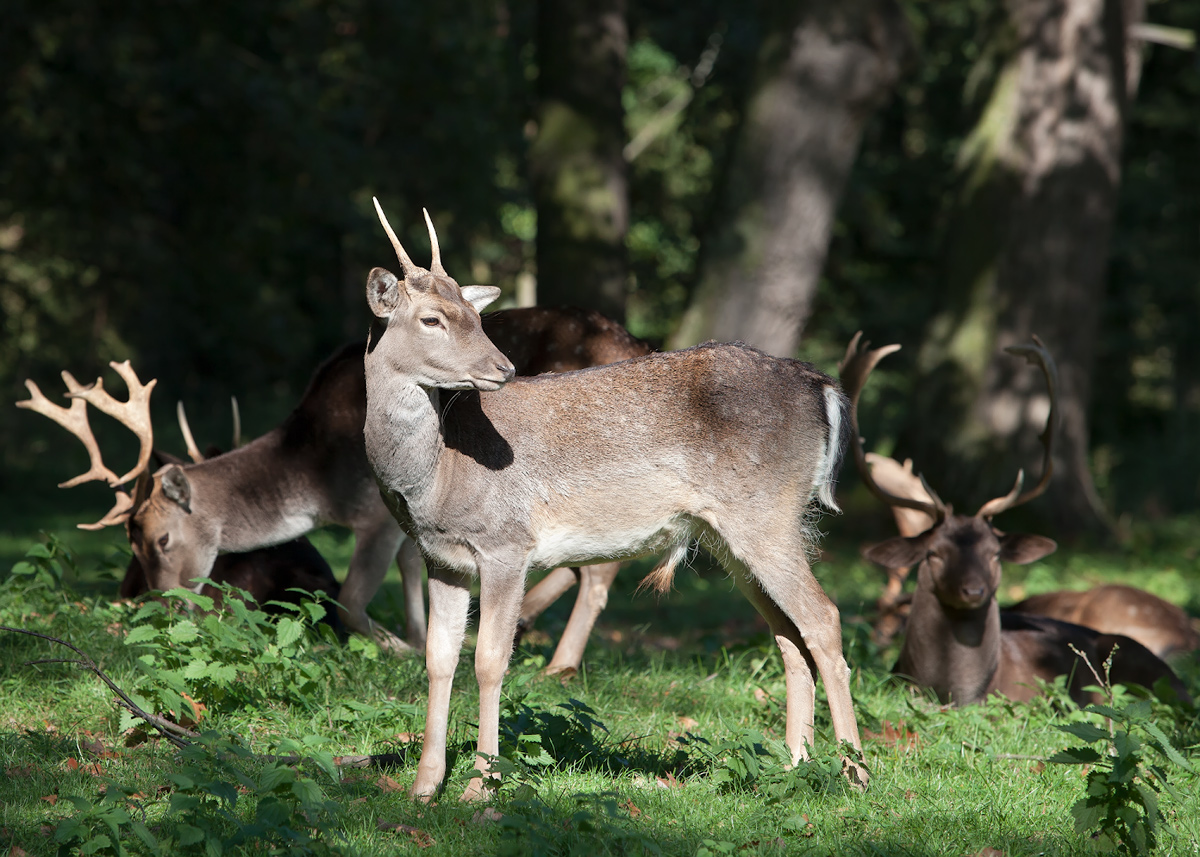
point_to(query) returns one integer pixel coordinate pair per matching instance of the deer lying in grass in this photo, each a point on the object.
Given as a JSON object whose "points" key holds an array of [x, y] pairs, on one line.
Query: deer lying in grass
{"points": [[310, 471], [958, 642], [497, 476], [1158, 625]]}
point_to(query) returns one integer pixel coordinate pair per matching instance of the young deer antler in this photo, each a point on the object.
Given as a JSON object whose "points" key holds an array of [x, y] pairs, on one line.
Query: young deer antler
{"points": [[1038, 354], [853, 370], [193, 451]]}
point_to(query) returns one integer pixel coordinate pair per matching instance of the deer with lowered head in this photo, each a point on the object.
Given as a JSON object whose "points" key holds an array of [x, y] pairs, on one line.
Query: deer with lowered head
{"points": [[497, 475], [310, 471], [958, 642]]}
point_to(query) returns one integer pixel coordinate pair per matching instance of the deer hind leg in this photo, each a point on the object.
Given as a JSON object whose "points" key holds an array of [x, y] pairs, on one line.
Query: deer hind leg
{"points": [[501, 588], [374, 547], [594, 583], [795, 592], [449, 603], [797, 667]]}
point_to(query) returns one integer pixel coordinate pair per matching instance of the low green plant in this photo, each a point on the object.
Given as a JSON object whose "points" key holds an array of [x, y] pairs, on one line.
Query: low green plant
{"points": [[36, 582], [1130, 762], [748, 761]]}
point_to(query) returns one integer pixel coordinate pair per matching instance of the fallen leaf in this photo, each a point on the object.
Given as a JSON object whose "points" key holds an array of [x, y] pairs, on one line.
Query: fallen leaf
{"points": [[92, 744], [419, 837], [409, 737], [114, 628], [669, 782], [989, 852], [485, 815], [17, 851], [761, 696], [50, 799], [687, 722], [895, 736], [72, 764], [198, 709], [23, 771], [909, 794], [1038, 768], [634, 810], [387, 784]]}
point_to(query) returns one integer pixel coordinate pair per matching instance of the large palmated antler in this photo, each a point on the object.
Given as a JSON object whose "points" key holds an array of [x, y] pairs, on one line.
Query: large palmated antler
{"points": [[854, 369], [134, 414], [1037, 354]]}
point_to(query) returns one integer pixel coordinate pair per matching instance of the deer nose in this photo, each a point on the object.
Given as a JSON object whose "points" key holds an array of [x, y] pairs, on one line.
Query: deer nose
{"points": [[972, 591], [507, 369]]}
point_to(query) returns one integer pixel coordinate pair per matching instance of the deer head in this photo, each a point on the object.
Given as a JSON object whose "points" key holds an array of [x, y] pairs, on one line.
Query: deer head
{"points": [[958, 557], [173, 545], [428, 306]]}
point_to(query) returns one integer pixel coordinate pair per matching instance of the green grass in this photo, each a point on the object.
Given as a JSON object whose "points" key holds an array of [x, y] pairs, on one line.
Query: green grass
{"points": [[660, 675]]}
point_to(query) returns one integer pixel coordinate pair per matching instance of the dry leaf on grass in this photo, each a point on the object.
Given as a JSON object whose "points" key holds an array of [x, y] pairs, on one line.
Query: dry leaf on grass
{"points": [[50, 799], [408, 737], [989, 852], [633, 808], [419, 837], [387, 784], [687, 722], [17, 851], [669, 781], [899, 736], [486, 815], [761, 696]]}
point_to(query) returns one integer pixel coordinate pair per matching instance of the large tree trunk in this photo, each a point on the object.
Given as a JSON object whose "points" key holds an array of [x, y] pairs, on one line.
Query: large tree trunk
{"points": [[823, 68], [1027, 252], [576, 162]]}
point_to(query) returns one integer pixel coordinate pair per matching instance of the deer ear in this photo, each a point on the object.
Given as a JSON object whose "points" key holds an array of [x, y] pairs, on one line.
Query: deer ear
{"points": [[480, 296], [898, 552], [1023, 549], [176, 487], [383, 292]]}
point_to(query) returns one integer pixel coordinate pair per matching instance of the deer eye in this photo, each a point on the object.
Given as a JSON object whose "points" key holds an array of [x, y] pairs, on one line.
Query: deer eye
{"points": [[431, 321], [163, 539]]}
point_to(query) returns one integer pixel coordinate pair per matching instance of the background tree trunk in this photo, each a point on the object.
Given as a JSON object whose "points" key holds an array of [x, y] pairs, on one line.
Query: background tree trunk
{"points": [[823, 67], [1027, 252], [576, 165]]}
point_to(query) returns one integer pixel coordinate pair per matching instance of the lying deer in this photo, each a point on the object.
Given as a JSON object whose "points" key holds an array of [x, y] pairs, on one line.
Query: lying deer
{"points": [[1158, 625], [310, 471], [958, 642], [497, 476]]}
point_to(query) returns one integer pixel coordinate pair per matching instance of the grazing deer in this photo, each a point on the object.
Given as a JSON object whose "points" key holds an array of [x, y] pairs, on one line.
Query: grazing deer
{"points": [[1158, 625], [310, 471], [496, 476], [958, 642]]}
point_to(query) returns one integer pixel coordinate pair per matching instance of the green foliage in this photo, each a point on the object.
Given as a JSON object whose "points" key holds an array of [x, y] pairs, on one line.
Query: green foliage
{"points": [[224, 800], [1131, 762], [750, 762], [38, 577], [596, 826]]}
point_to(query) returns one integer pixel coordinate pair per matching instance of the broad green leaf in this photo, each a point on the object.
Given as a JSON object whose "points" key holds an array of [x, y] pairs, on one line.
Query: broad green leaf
{"points": [[1076, 756], [1165, 747], [40, 551], [183, 632], [141, 634], [1084, 731], [189, 835], [288, 631]]}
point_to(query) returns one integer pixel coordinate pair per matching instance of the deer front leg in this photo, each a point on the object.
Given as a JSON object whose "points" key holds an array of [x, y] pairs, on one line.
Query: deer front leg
{"points": [[449, 602], [500, 593], [374, 547], [412, 569], [594, 583]]}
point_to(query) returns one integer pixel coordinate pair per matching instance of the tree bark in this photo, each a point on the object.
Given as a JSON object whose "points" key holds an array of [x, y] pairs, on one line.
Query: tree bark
{"points": [[823, 68], [576, 164], [1027, 252]]}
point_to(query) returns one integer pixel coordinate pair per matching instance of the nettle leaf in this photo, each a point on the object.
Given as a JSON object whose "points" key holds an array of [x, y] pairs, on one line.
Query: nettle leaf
{"points": [[1076, 756], [1084, 731], [273, 777], [189, 835], [288, 631], [195, 669], [141, 634], [183, 632], [316, 612], [223, 674], [1164, 746], [204, 602]]}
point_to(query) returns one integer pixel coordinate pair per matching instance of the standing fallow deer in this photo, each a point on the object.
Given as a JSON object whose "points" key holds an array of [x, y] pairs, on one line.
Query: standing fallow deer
{"points": [[497, 475], [310, 471], [958, 642]]}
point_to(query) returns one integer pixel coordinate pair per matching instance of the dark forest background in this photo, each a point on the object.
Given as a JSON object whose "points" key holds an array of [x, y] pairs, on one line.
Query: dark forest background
{"points": [[189, 185]]}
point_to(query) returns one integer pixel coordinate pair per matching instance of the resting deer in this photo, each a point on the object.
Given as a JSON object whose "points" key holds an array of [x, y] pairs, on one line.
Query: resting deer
{"points": [[497, 476], [1158, 625], [958, 642], [311, 470]]}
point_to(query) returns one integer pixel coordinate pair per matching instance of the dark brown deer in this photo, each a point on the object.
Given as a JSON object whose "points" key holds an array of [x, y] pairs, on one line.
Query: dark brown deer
{"points": [[1158, 625], [958, 642], [497, 476], [310, 471]]}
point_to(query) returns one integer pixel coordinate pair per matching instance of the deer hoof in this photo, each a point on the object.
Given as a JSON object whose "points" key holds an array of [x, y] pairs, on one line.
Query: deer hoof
{"points": [[476, 791]]}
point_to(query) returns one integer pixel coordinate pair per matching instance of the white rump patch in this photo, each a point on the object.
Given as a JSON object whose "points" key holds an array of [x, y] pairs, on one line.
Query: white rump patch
{"points": [[830, 451]]}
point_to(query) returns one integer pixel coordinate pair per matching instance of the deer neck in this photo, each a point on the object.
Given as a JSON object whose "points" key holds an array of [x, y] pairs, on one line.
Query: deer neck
{"points": [[954, 652], [403, 434], [257, 494]]}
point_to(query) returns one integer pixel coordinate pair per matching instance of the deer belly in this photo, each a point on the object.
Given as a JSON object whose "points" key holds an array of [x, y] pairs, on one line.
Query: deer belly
{"points": [[566, 544]]}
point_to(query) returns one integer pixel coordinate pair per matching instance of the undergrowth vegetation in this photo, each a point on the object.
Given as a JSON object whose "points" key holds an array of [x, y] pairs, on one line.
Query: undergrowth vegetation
{"points": [[285, 740]]}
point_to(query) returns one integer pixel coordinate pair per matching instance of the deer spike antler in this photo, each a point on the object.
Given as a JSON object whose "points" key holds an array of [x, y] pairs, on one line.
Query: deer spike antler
{"points": [[405, 262], [436, 265]]}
